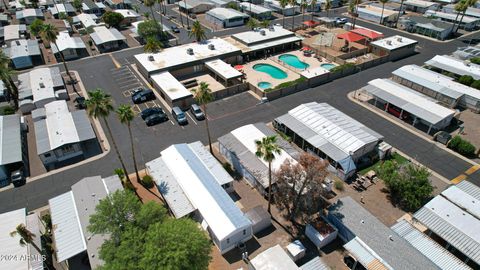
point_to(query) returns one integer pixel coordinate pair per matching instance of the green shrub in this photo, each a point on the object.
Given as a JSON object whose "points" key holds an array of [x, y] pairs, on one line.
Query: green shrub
{"points": [[147, 181], [228, 167], [475, 60], [461, 146], [285, 84], [7, 110], [120, 173], [343, 67], [339, 185], [466, 80], [476, 84]]}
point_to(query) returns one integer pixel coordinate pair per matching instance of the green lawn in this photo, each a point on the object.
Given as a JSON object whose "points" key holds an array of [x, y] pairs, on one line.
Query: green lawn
{"points": [[396, 156]]}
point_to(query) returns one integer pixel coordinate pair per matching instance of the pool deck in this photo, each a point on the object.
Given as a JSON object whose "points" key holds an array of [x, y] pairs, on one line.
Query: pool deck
{"points": [[254, 77]]}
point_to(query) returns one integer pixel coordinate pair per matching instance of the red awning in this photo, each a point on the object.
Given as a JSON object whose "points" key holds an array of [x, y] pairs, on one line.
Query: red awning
{"points": [[367, 33], [310, 23], [350, 37]]}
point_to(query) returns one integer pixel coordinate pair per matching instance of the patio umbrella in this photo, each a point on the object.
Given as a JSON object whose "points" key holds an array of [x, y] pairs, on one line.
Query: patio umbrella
{"points": [[350, 37], [367, 33], [310, 23], [238, 67]]}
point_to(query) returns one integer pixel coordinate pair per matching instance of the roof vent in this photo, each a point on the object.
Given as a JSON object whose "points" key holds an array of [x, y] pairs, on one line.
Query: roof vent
{"points": [[150, 58], [389, 42], [190, 51], [262, 32], [17, 42], [211, 46], [390, 237], [399, 39], [271, 28], [42, 85], [362, 221]]}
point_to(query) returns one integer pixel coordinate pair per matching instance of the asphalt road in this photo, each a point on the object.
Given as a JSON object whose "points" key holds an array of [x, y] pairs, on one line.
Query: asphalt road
{"points": [[226, 115]]}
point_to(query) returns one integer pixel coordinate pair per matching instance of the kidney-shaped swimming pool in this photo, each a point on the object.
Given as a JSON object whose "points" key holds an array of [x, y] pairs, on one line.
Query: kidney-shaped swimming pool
{"points": [[273, 71]]}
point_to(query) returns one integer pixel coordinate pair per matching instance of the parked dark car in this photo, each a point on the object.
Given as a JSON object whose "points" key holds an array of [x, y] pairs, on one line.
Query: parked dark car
{"points": [[156, 118], [142, 95], [18, 178], [80, 103], [197, 112], [175, 29], [150, 111]]}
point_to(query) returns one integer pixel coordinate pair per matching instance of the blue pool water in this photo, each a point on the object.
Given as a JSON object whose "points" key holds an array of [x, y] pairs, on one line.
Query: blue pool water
{"points": [[327, 66], [264, 85], [273, 71], [292, 60]]}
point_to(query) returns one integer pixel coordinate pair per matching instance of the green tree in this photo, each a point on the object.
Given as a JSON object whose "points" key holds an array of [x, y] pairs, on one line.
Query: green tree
{"points": [[176, 244], [283, 4], [99, 105], [150, 4], [112, 19], [465, 6], [6, 75], [49, 33], [77, 4], [36, 27], [265, 23], [266, 149], [408, 185], [466, 80], [383, 8], [399, 12], [352, 9], [476, 84], [203, 95], [252, 23], [126, 115], [475, 60], [114, 213], [461, 146], [152, 45], [34, 3], [197, 32], [459, 7], [26, 237], [62, 16], [149, 28]]}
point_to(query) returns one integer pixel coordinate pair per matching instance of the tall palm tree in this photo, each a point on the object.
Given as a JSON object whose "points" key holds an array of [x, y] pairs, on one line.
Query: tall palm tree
{"points": [[266, 150], [252, 23], [150, 4], [197, 32], [293, 3], [468, 3], [383, 8], [186, 14], [328, 6], [99, 105], [152, 45], [399, 13], [26, 237], [459, 8], [203, 95], [352, 9], [126, 115], [162, 6], [303, 5], [49, 33], [265, 23], [6, 73], [283, 4]]}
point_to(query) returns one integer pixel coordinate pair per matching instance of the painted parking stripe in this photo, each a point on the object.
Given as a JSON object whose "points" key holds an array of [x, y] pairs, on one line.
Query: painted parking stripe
{"points": [[458, 179], [130, 85], [472, 169], [191, 118], [126, 78]]}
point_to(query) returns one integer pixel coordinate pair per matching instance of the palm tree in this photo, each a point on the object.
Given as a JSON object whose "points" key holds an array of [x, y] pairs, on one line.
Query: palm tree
{"points": [[328, 6], [99, 105], [150, 4], [399, 12], [197, 32], [126, 115], [266, 149], [186, 15], [283, 4], [49, 33], [152, 45], [293, 3], [303, 5], [265, 23], [6, 73], [383, 8], [468, 3], [161, 3], [26, 237], [459, 8], [252, 23], [352, 9], [203, 95]]}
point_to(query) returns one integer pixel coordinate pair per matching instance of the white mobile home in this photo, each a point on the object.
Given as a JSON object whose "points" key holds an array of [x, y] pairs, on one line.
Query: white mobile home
{"points": [[374, 14], [455, 66], [330, 134], [107, 39], [226, 17], [468, 23], [70, 47], [420, 6], [191, 180], [239, 148]]}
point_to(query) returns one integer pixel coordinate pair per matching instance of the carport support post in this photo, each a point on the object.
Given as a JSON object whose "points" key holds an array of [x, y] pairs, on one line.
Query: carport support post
{"points": [[414, 121], [401, 114], [386, 107], [375, 104], [429, 129]]}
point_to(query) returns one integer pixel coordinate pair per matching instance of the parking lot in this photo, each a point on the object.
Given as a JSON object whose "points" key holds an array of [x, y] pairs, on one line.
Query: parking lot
{"points": [[128, 81]]}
